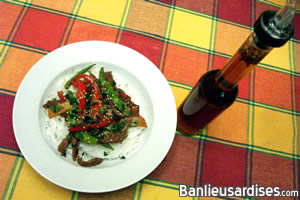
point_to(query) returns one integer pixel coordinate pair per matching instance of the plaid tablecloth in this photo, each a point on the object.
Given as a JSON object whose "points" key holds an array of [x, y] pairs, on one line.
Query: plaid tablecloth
{"points": [[256, 141]]}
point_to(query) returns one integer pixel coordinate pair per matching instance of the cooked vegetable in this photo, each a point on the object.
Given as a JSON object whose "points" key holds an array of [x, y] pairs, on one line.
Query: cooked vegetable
{"points": [[70, 96], [96, 95], [61, 95], [86, 127], [59, 109], [138, 121], [81, 92], [84, 137], [68, 83], [96, 112], [55, 108]]}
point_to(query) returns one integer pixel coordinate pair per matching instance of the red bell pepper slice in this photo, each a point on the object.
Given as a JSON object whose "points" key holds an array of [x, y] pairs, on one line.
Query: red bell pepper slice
{"points": [[95, 89], [61, 95], [81, 92], [74, 83], [101, 124], [96, 108], [123, 94]]}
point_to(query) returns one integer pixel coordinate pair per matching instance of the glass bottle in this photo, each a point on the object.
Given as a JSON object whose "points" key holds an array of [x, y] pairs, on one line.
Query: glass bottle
{"points": [[216, 90]]}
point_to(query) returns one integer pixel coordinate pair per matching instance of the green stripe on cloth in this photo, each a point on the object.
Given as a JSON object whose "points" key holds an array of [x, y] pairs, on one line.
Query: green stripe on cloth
{"points": [[250, 130], [276, 153], [4, 51], [297, 41], [13, 178], [190, 46], [140, 191], [192, 12], [124, 20], [75, 195], [169, 24], [269, 3], [268, 106], [212, 42], [76, 8], [146, 34], [161, 183], [137, 191], [198, 136], [125, 14], [22, 46], [93, 21], [167, 35], [234, 23], [294, 101], [20, 3], [278, 69], [180, 85], [134, 192], [9, 151]]}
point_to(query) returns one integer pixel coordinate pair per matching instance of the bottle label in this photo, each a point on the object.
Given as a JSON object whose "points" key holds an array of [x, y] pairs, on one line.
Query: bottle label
{"points": [[194, 102]]}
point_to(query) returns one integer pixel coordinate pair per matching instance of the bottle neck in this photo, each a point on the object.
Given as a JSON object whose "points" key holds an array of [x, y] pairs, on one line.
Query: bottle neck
{"points": [[241, 63]]}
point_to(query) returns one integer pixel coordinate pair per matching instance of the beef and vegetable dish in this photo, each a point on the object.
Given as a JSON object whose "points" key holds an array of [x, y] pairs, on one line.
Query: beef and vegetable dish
{"points": [[96, 111]]}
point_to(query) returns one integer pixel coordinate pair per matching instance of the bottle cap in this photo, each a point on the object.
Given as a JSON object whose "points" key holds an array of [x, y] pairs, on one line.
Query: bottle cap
{"points": [[268, 35]]}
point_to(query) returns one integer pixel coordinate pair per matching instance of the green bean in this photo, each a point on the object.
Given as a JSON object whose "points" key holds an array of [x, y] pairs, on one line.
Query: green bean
{"points": [[117, 101], [84, 137]]}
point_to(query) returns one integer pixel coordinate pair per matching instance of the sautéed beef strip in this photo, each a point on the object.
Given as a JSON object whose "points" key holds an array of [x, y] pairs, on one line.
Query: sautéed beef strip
{"points": [[89, 163], [119, 136], [63, 146], [52, 103], [75, 148], [115, 110], [108, 76]]}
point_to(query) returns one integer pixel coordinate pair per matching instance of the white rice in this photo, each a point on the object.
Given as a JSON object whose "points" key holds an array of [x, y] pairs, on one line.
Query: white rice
{"points": [[56, 130]]}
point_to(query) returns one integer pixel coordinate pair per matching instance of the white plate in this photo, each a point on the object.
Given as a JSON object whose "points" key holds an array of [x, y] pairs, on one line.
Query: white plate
{"points": [[154, 95]]}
